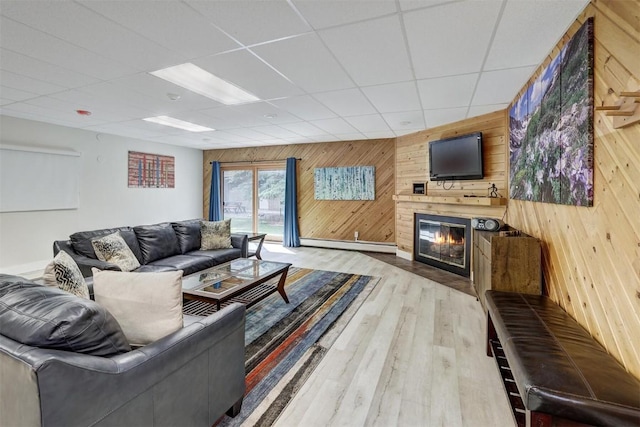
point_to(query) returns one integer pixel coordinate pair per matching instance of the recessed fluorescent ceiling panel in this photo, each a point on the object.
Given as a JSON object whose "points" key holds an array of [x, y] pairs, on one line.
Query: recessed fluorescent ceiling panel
{"points": [[197, 80], [176, 123]]}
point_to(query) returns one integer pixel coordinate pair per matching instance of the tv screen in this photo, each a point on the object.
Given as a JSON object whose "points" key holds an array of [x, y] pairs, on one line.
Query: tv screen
{"points": [[456, 158]]}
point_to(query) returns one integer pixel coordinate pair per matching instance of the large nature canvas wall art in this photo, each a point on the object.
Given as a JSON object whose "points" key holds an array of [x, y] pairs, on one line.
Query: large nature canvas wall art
{"points": [[345, 183], [551, 129]]}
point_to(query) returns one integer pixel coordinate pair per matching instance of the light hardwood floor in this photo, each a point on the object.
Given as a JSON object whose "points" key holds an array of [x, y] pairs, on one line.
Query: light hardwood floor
{"points": [[412, 355]]}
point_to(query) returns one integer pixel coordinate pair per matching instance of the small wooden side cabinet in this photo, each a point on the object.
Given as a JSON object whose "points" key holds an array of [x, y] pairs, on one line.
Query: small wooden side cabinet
{"points": [[506, 263]]}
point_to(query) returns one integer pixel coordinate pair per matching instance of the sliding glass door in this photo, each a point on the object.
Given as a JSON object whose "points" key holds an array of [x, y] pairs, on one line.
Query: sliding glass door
{"points": [[253, 197]]}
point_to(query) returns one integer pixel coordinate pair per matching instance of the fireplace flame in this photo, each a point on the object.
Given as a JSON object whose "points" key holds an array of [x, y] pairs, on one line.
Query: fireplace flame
{"points": [[449, 239]]}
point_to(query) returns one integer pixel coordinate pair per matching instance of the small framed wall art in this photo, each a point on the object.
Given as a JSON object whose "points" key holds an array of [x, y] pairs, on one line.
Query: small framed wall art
{"points": [[151, 170]]}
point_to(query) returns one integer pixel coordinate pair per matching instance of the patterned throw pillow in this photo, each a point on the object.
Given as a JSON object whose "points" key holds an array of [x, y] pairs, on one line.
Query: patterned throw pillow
{"points": [[64, 273], [113, 249], [215, 235]]}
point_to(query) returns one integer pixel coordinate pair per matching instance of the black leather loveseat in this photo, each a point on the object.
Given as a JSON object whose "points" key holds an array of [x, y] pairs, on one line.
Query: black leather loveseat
{"points": [[159, 247], [64, 361]]}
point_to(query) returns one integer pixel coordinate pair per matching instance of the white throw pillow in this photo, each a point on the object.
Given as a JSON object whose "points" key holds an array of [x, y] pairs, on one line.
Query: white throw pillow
{"points": [[112, 248], [64, 273], [215, 235], [148, 306]]}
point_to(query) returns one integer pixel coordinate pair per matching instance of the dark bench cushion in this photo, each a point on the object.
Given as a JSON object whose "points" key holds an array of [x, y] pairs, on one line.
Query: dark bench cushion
{"points": [[558, 367], [47, 317]]}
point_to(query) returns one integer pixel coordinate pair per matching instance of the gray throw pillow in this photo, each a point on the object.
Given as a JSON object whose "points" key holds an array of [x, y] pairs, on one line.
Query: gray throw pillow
{"points": [[215, 235], [64, 273], [113, 249]]}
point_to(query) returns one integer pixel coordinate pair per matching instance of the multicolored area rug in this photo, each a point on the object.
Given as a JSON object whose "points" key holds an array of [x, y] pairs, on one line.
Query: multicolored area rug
{"points": [[285, 342]]}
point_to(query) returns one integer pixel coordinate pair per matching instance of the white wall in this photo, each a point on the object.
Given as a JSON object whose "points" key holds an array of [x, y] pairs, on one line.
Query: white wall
{"points": [[26, 238]]}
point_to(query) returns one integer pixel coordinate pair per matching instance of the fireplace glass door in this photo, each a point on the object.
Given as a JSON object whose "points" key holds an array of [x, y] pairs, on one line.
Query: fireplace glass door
{"points": [[442, 242]]}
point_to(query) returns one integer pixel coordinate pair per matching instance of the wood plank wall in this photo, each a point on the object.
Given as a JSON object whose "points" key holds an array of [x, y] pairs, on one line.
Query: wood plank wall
{"points": [[591, 256], [328, 219], [412, 165]]}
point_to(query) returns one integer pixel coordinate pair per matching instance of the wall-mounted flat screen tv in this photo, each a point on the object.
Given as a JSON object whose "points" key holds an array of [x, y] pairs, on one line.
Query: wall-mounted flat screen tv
{"points": [[456, 158]]}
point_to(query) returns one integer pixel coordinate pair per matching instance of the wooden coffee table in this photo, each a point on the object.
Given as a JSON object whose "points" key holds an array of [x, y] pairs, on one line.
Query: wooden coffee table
{"points": [[241, 280]]}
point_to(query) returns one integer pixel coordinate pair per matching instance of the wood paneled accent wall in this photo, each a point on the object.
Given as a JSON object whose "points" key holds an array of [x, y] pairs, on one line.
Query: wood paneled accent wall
{"points": [[329, 219], [412, 165], [591, 256]]}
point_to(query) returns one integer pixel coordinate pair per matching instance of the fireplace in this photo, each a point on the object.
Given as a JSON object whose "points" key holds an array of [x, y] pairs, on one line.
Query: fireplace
{"points": [[443, 242]]}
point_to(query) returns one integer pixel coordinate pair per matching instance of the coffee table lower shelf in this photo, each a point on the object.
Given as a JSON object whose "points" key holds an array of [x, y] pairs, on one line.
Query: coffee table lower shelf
{"points": [[248, 298]]}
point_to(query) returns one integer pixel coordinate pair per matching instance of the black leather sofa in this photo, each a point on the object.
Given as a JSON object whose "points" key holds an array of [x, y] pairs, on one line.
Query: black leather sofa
{"points": [[158, 247], [554, 372], [64, 361]]}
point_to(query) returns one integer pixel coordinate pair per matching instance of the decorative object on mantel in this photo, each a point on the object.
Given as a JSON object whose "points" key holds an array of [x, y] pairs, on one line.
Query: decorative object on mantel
{"points": [[551, 129], [625, 111], [345, 183], [420, 188], [151, 170]]}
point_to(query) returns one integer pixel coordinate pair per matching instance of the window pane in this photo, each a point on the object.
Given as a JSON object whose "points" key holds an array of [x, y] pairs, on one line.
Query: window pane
{"points": [[238, 199], [271, 202]]}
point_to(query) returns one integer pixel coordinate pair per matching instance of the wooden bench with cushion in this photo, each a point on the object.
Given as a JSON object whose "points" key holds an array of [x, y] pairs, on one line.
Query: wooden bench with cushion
{"points": [[554, 372]]}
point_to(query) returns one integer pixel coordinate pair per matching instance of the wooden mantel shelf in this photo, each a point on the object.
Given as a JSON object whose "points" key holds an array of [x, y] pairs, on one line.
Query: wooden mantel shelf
{"points": [[452, 200]]}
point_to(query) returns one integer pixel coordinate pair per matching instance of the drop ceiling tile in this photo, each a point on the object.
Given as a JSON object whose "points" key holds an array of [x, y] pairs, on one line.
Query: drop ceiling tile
{"points": [[405, 120], [251, 21], [380, 135], [501, 86], [452, 38], [485, 109], [443, 116], [102, 99], [299, 140], [171, 24], [119, 129], [447, 92], [68, 116], [394, 97], [36, 44], [115, 94], [528, 31], [372, 52], [304, 107], [245, 70], [159, 90], [334, 126], [247, 133], [75, 24], [28, 84], [234, 117], [421, 4], [275, 131], [43, 71], [267, 112], [349, 102], [14, 95], [306, 62], [370, 123], [325, 138], [350, 136], [338, 12], [304, 129]]}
